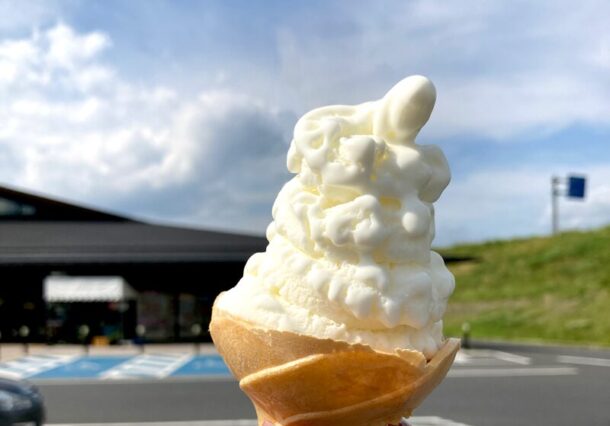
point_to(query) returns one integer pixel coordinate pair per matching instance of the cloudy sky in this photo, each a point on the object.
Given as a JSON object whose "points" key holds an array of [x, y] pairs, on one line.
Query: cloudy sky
{"points": [[182, 112]]}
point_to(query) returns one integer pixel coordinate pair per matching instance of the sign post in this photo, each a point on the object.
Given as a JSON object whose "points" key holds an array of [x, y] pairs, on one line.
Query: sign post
{"points": [[141, 332], [554, 204], [574, 187]]}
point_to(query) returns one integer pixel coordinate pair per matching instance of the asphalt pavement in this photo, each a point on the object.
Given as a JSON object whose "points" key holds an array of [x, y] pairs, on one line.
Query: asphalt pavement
{"points": [[493, 385]]}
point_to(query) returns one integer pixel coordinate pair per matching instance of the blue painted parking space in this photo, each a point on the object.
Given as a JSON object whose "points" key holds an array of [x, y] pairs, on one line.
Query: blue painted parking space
{"points": [[144, 366], [85, 367], [203, 365]]}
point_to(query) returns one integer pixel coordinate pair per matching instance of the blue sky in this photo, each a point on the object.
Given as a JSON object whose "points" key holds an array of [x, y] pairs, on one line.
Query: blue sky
{"points": [[182, 111]]}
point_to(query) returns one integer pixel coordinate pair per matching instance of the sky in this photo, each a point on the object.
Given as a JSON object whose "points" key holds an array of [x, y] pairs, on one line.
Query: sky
{"points": [[181, 112]]}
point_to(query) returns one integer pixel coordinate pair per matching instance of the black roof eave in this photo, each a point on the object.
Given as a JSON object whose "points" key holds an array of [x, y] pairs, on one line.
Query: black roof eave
{"points": [[118, 258], [55, 209]]}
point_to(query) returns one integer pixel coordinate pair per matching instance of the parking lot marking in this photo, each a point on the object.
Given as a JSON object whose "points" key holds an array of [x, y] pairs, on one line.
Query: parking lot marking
{"points": [[413, 421], [31, 365], [82, 368], [516, 359], [147, 366], [203, 365], [484, 357], [185, 366], [512, 372], [433, 421], [583, 360], [142, 367]]}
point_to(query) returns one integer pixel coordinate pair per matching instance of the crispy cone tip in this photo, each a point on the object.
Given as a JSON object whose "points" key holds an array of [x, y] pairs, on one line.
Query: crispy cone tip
{"points": [[298, 380]]}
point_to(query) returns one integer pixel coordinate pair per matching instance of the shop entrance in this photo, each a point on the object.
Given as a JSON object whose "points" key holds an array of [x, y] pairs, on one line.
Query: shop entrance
{"points": [[103, 306], [107, 322]]}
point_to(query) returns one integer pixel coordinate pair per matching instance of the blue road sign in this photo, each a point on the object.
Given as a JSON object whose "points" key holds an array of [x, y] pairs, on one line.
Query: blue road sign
{"points": [[576, 186]]}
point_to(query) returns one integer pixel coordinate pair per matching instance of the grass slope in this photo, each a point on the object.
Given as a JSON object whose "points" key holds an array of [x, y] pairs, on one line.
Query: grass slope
{"points": [[554, 289]]}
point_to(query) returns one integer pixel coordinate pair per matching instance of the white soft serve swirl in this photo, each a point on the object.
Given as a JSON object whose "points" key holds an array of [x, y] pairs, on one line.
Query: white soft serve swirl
{"points": [[349, 248]]}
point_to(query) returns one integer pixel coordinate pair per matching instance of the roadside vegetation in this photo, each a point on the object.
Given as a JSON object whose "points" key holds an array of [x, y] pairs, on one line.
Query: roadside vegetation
{"points": [[547, 289]]}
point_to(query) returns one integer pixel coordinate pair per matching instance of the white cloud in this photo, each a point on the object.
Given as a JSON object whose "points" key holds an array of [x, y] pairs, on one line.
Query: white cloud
{"points": [[67, 50], [19, 14], [590, 213], [56, 59], [501, 68], [493, 204], [71, 126]]}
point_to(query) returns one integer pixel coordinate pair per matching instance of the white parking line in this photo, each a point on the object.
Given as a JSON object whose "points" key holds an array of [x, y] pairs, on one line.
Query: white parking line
{"points": [[414, 421], [147, 366], [583, 360], [516, 359], [433, 421], [481, 357], [462, 358], [512, 372]]}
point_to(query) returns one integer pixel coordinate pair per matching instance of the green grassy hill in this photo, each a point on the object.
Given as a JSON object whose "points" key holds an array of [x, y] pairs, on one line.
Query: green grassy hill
{"points": [[552, 289]]}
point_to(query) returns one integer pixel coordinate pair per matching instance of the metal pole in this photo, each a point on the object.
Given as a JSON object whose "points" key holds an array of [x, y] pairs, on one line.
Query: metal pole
{"points": [[24, 332], [554, 205], [140, 332], [466, 335], [196, 330], [83, 333]]}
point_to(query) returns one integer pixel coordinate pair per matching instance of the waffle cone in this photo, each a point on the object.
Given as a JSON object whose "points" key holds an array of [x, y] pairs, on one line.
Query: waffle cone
{"points": [[298, 380]]}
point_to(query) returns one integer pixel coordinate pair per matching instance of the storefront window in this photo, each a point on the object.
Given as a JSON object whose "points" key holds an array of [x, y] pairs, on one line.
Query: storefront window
{"points": [[155, 313], [189, 315]]}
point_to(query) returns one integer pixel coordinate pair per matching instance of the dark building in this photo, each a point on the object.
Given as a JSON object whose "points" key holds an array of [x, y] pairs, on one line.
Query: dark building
{"points": [[63, 266]]}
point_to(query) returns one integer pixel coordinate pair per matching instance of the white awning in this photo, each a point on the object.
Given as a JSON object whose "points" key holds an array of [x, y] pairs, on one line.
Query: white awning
{"points": [[59, 288]]}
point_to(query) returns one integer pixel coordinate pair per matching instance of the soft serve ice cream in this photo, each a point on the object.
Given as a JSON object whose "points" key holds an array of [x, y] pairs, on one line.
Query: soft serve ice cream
{"points": [[339, 321], [349, 254]]}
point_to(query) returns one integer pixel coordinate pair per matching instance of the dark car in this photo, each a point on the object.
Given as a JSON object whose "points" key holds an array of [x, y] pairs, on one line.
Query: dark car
{"points": [[20, 403]]}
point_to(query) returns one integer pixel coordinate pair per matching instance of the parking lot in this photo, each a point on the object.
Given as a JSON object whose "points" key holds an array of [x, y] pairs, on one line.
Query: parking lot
{"points": [[494, 385]]}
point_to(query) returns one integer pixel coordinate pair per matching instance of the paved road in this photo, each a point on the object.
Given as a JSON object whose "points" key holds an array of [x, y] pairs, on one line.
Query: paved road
{"points": [[495, 386]]}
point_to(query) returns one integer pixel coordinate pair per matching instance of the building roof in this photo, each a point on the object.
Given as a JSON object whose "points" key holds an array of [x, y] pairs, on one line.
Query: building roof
{"points": [[37, 230], [29, 207], [60, 233], [107, 242]]}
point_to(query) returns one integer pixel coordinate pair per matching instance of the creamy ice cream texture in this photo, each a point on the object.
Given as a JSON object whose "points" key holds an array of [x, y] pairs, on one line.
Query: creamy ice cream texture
{"points": [[349, 254]]}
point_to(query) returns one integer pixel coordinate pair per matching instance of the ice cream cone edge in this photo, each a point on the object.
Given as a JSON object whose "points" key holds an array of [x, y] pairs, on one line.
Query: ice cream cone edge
{"points": [[297, 380]]}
